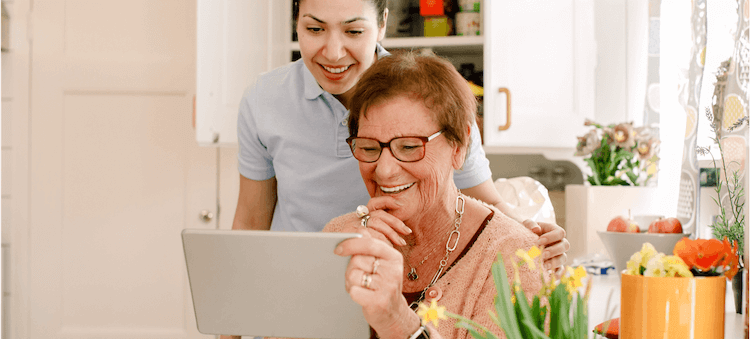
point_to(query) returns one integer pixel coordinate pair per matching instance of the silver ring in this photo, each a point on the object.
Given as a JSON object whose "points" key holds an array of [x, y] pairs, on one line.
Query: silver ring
{"points": [[363, 221], [375, 265], [362, 211], [366, 280]]}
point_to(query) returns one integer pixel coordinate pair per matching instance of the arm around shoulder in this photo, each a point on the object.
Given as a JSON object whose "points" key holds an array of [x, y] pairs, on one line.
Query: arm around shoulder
{"points": [[255, 204]]}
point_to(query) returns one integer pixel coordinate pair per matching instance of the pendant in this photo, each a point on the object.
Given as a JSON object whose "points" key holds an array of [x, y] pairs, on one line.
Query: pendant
{"points": [[412, 275]]}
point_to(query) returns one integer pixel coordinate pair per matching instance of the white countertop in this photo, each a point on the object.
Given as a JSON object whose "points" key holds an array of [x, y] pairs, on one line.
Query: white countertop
{"points": [[604, 284]]}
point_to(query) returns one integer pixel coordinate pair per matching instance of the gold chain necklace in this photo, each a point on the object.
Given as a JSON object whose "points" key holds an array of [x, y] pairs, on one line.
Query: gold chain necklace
{"points": [[412, 275], [460, 202]]}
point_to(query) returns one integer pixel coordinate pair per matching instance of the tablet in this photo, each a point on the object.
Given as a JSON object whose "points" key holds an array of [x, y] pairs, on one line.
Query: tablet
{"points": [[272, 284]]}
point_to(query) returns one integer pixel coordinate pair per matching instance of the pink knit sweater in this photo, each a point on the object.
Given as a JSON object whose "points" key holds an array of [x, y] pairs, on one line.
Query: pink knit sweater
{"points": [[468, 288]]}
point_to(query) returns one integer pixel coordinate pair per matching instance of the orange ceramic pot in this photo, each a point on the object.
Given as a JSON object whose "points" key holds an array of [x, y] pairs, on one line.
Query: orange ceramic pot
{"points": [[672, 307]]}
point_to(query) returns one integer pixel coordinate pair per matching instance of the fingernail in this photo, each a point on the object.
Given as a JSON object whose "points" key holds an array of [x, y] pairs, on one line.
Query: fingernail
{"points": [[408, 230], [402, 241], [338, 250], [546, 255], [548, 266], [542, 241]]}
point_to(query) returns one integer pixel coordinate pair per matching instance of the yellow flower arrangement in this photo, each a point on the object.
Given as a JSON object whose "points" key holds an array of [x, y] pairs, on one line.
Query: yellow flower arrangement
{"points": [[691, 257]]}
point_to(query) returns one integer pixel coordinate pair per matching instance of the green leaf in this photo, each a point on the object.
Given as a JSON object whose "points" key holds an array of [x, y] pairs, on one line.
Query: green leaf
{"points": [[503, 304], [633, 178], [537, 312], [580, 319], [523, 312], [535, 332], [476, 330], [594, 170], [559, 313]]}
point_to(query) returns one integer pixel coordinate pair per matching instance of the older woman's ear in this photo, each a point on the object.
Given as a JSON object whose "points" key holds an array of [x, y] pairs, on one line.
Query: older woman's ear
{"points": [[459, 152]]}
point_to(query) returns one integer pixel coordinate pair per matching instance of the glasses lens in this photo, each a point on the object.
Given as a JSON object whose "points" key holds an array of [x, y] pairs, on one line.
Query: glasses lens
{"points": [[408, 149], [366, 150]]}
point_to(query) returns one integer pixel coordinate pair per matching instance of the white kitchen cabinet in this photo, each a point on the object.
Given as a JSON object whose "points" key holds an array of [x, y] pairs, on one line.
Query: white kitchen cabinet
{"points": [[542, 52]]}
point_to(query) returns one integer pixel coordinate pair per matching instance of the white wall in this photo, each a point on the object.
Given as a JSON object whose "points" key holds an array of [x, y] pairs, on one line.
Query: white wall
{"points": [[14, 148], [6, 147]]}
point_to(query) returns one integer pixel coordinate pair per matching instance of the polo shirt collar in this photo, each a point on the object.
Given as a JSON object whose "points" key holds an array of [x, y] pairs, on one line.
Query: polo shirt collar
{"points": [[313, 90]]}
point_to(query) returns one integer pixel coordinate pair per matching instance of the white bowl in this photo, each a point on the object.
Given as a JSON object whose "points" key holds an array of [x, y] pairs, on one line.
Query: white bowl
{"points": [[621, 246]]}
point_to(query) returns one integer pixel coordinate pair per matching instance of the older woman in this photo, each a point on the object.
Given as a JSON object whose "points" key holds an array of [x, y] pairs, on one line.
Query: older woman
{"points": [[410, 122]]}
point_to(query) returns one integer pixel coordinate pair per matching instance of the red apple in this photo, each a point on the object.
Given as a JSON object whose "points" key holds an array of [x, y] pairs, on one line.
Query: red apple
{"points": [[622, 224], [665, 225]]}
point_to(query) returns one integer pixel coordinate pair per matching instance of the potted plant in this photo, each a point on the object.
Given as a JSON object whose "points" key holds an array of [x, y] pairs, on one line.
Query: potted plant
{"points": [[688, 286], [730, 222], [622, 161], [619, 154], [561, 303]]}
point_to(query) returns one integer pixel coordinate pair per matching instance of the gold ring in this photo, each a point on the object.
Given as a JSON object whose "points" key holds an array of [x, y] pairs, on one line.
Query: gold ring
{"points": [[366, 280], [375, 265]]}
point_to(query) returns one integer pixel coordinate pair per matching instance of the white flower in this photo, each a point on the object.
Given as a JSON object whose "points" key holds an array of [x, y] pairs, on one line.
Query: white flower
{"points": [[588, 143], [655, 266], [622, 135]]}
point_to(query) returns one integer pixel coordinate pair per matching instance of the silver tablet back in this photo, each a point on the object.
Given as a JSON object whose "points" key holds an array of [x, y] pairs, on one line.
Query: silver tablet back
{"points": [[265, 283]]}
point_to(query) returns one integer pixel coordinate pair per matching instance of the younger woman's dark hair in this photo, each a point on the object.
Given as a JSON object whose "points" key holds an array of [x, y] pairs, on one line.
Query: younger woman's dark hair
{"points": [[380, 6]]}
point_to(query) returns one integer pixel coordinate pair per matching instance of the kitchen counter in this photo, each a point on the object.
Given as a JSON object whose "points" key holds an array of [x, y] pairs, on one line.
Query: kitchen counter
{"points": [[603, 285]]}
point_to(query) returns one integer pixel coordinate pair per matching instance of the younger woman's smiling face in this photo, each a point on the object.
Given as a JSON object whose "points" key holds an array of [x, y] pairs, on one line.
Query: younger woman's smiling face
{"points": [[419, 185], [337, 40]]}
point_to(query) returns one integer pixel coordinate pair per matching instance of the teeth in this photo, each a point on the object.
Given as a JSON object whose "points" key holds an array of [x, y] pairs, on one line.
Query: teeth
{"points": [[336, 70], [395, 189]]}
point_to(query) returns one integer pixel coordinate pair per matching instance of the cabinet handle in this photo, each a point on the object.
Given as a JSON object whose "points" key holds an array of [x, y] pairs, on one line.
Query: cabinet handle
{"points": [[507, 109]]}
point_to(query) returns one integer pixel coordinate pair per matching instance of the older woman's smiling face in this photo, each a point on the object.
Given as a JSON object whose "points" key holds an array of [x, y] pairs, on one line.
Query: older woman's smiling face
{"points": [[419, 185]]}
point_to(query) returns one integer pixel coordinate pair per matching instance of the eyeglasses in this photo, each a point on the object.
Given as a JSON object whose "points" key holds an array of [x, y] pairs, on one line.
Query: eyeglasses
{"points": [[406, 149]]}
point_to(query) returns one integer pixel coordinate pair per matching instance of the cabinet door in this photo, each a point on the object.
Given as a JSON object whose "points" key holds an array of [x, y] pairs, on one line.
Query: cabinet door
{"points": [[114, 173], [237, 41], [543, 53]]}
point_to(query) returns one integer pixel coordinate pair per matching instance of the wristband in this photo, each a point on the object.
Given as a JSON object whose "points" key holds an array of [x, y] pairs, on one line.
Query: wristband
{"points": [[421, 333]]}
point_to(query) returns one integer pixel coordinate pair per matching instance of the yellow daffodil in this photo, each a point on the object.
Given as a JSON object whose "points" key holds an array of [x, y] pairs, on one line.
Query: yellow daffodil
{"points": [[578, 275], [572, 279], [529, 256], [641, 259], [433, 313]]}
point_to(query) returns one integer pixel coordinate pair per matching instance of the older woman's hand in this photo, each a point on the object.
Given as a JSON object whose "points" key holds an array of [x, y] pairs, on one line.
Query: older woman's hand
{"points": [[552, 237], [374, 279], [385, 226]]}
